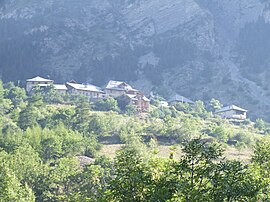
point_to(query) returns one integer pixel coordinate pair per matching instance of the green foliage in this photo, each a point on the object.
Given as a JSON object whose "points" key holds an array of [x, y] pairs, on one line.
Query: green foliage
{"points": [[261, 154], [260, 124], [234, 181], [131, 110], [161, 112], [185, 107], [131, 177], [16, 94], [50, 95], [261, 163], [12, 190], [81, 117], [103, 124], [215, 105], [109, 104], [221, 133], [199, 110], [40, 142]]}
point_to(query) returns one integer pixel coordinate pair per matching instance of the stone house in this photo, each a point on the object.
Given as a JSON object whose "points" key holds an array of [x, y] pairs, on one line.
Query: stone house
{"points": [[179, 98], [141, 102], [118, 88], [43, 84], [60, 88], [232, 112], [37, 81], [134, 97], [88, 90]]}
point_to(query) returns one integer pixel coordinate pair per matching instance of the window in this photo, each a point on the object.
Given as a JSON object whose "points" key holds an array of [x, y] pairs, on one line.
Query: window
{"points": [[240, 113]]}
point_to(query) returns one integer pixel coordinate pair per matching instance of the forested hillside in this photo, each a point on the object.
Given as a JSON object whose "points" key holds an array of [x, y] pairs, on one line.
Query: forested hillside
{"points": [[50, 151], [197, 48]]}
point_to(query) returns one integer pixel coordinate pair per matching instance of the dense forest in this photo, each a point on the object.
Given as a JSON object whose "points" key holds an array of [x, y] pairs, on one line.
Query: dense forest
{"points": [[44, 137]]}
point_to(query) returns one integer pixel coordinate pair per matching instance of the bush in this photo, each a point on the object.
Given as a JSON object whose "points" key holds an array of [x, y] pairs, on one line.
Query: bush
{"points": [[109, 104], [221, 133]]}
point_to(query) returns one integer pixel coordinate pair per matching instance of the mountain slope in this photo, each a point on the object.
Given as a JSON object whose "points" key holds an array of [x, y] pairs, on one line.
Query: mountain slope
{"points": [[198, 48]]}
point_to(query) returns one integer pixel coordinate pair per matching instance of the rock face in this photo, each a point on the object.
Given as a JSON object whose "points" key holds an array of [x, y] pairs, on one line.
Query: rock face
{"points": [[198, 48]]}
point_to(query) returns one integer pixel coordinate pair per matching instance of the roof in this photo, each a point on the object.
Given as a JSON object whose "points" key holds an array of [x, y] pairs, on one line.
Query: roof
{"points": [[132, 96], [119, 85], [60, 87], [229, 108], [146, 99], [39, 79], [85, 87], [136, 97], [180, 98]]}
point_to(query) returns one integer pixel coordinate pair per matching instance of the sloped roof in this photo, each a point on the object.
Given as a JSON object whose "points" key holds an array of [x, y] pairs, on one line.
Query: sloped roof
{"points": [[231, 107], [85, 87], [146, 99], [60, 87], [39, 79], [180, 98], [119, 85], [132, 96], [136, 97]]}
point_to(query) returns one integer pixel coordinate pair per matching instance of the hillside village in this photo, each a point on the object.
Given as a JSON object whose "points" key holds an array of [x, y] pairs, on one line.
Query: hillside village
{"points": [[132, 96]]}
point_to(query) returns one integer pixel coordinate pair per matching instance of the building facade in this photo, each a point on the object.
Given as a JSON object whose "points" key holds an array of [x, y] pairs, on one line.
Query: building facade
{"points": [[88, 90], [118, 88], [37, 81], [232, 112]]}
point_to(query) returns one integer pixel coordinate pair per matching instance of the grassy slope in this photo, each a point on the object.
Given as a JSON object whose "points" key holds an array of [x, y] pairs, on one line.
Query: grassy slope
{"points": [[230, 153]]}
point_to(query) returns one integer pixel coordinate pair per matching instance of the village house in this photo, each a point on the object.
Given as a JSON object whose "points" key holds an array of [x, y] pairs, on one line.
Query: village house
{"points": [[37, 81], [91, 91], [179, 98], [118, 88], [60, 88], [232, 112], [113, 88], [141, 102], [44, 83]]}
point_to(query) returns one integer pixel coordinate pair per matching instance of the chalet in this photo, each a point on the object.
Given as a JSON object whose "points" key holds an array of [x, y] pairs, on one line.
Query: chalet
{"points": [[232, 112], [118, 88], [139, 100], [133, 96], [37, 81], [179, 98], [91, 91]]}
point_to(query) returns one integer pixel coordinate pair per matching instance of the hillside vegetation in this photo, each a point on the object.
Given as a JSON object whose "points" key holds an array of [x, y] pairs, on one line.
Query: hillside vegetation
{"points": [[45, 136]]}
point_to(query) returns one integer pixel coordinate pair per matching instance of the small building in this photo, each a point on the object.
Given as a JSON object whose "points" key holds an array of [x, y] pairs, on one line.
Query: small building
{"points": [[141, 102], [60, 88], [135, 97], [179, 98], [232, 112], [91, 91], [118, 88], [37, 81], [163, 104]]}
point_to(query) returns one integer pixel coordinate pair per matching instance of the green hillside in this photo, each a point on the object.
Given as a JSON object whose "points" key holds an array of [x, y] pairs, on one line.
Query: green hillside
{"points": [[52, 149]]}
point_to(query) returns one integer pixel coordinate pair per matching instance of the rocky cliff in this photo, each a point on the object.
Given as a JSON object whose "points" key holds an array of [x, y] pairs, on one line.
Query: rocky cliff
{"points": [[197, 48]]}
